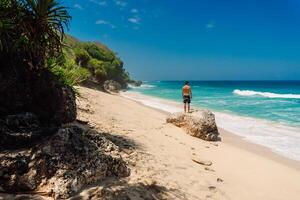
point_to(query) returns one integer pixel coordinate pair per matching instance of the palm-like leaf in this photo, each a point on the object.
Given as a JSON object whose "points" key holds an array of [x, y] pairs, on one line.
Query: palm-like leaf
{"points": [[47, 20], [36, 31]]}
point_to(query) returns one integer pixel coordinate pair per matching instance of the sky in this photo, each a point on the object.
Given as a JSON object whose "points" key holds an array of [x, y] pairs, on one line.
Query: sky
{"points": [[195, 39]]}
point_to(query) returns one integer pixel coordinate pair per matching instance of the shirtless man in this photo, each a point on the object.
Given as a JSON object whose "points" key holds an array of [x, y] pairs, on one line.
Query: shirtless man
{"points": [[187, 96]]}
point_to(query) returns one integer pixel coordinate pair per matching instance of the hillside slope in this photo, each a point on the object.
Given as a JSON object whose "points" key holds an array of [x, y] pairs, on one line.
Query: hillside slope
{"points": [[93, 61]]}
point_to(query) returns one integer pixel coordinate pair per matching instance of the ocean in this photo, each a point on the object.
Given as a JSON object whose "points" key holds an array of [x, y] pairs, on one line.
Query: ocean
{"points": [[263, 112]]}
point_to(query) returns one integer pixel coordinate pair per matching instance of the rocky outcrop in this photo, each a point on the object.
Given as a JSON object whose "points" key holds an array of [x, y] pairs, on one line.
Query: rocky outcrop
{"points": [[112, 86], [135, 83], [62, 164], [22, 130], [37, 91], [200, 124]]}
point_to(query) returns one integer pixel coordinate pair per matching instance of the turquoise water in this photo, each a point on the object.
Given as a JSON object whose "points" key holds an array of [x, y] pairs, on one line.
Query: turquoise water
{"points": [[277, 101]]}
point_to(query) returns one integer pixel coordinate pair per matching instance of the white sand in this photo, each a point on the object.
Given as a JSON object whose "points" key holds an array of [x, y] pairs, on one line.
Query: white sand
{"points": [[162, 155]]}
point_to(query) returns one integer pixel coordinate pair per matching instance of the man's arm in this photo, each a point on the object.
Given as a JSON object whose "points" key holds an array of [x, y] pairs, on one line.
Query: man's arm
{"points": [[191, 92]]}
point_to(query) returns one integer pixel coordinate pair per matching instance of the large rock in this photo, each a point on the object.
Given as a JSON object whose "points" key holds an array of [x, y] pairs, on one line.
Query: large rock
{"points": [[199, 124], [62, 164], [22, 130], [37, 91], [112, 86]]}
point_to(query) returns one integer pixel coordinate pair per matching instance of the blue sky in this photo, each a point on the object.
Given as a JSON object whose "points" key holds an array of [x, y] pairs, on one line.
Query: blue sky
{"points": [[195, 39]]}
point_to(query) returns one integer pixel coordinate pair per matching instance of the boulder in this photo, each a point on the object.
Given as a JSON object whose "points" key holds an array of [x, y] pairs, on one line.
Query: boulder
{"points": [[200, 124], [112, 86], [62, 164], [22, 130], [37, 91]]}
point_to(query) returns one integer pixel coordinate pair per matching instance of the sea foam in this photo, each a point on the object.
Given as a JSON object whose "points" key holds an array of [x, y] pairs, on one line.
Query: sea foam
{"points": [[280, 138], [147, 86], [265, 94], [143, 86]]}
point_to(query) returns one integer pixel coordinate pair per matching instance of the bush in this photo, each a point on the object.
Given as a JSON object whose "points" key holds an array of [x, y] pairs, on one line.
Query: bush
{"points": [[69, 73], [102, 63], [81, 57], [98, 69], [98, 53]]}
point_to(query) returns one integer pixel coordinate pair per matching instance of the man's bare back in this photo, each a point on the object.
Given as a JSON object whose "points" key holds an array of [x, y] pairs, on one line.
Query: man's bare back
{"points": [[186, 90]]}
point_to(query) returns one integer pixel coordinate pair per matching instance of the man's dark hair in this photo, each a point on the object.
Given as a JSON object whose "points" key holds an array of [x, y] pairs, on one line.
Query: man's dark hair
{"points": [[186, 83]]}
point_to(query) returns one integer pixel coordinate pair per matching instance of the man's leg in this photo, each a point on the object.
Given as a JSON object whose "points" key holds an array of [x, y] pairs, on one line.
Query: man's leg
{"points": [[188, 107], [184, 105]]}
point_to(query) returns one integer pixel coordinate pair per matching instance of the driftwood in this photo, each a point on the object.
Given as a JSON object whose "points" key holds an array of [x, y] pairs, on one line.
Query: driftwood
{"points": [[201, 162]]}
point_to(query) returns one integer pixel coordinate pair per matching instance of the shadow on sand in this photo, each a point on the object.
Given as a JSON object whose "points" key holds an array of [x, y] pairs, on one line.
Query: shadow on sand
{"points": [[122, 190]]}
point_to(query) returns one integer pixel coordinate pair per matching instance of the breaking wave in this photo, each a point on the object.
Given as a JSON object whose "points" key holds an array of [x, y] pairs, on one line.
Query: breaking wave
{"points": [[266, 94], [147, 86]]}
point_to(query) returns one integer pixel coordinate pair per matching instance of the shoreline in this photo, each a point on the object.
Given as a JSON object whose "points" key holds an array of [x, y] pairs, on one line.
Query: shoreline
{"points": [[239, 142], [233, 138]]}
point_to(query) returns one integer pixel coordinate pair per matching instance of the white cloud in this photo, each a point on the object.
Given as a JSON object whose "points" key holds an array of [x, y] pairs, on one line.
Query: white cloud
{"points": [[77, 6], [210, 25], [134, 10], [120, 3], [98, 2], [100, 21], [103, 22], [134, 20]]}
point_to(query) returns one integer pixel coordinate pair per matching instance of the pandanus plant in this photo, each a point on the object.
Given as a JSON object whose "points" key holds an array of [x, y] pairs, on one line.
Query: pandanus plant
{"points": [[33, 29]]}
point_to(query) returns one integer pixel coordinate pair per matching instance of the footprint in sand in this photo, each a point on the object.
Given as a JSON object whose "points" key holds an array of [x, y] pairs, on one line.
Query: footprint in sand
{"points": [[168, 136], [214, 144], [212, 188], [219, 180], [182, 168], [209, 169]]}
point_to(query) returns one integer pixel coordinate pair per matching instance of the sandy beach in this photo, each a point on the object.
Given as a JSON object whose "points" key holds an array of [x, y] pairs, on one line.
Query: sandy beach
{"points": [[160, 155]]}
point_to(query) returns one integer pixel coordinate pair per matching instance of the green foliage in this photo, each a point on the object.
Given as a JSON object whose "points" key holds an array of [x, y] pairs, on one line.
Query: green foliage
{"points": [[69, 73], [101, 62], [32, 35], [5, 4], [81, 57], [32, 30], [98, 53], [80, 61]]}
